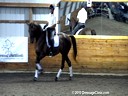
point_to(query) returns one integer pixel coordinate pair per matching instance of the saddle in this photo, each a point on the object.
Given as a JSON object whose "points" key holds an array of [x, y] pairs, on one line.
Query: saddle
{"points": [[51, 37], [56, 41]]}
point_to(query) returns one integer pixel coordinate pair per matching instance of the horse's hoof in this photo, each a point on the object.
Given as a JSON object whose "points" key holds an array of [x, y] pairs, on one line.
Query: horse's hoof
{"points": [[34, 79], [56, 79], [70, 78]]}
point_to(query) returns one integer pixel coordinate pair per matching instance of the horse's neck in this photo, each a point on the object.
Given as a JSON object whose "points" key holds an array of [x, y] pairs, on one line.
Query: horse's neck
{"points": [[41, 37], [39, 34], [73, 23]]}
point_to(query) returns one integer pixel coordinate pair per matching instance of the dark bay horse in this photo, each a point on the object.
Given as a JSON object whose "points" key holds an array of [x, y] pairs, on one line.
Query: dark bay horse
{"points": [[42, 49], [83, 31]]}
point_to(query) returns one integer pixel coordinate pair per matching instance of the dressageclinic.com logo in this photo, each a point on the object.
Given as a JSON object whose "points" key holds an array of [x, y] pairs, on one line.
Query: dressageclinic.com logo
{"points": [[8, 50], [13, 49], [7, 47]]}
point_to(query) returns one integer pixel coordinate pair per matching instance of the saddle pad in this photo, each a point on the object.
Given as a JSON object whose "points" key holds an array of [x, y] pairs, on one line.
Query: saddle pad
{"points": [[77, 33], [56, 41]]}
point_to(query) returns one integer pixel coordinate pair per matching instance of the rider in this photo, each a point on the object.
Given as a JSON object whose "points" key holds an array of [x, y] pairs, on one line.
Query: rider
{"points": [[50, 26], [81, 18]]}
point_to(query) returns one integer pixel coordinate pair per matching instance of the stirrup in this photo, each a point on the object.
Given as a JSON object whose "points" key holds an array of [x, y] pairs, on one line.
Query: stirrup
{"points": [[50, 54]]}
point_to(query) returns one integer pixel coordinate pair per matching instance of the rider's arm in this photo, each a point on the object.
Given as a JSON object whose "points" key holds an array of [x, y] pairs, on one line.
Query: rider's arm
{"points": [[45, 25], [53, 26]]}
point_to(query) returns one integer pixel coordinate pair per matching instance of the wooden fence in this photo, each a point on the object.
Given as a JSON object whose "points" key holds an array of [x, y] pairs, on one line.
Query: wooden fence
{"points": [[95, 54]]}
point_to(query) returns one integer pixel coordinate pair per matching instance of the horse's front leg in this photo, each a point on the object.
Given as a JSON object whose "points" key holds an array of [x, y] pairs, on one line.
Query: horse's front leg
{"points": [[39, 68], [60, 70]]}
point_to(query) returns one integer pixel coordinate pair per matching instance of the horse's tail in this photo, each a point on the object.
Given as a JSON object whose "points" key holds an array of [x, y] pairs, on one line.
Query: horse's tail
{"points": [[74, 46]]}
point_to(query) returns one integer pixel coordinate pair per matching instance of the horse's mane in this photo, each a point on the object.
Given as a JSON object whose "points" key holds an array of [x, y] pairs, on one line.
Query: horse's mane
{"points": [[36, 30], [39, 28]]}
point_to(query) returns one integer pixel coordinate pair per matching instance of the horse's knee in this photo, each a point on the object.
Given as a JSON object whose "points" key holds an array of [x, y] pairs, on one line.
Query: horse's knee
{"points": [[37, 52], [37, 59], [38, 56]]}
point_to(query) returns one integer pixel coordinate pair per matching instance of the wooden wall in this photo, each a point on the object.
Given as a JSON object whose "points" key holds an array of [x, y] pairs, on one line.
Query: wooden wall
{"points": [[95, 54]]}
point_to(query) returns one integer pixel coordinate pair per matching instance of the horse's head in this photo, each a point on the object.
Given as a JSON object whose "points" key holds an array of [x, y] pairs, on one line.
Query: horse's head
{"points": [[34, 31]]}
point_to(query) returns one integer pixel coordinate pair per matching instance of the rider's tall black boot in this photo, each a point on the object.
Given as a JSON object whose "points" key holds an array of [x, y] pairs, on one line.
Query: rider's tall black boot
{"points": [[51, 48]]}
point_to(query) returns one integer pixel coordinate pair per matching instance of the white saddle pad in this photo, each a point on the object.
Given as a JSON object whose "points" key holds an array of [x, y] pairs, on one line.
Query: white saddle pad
{"points": [[56, 41]]}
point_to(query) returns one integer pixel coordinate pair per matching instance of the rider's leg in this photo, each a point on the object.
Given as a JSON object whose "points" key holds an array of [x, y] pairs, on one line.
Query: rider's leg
{"points": [[51, 48], [79, 26], [51, 43], [75, 29], [45, 26]]}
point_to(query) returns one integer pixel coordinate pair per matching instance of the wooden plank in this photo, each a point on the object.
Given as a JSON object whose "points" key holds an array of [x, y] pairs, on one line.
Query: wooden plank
{"points": [[30, 15], [101, 37], [26, 5], [116, 58], [22, 21]]}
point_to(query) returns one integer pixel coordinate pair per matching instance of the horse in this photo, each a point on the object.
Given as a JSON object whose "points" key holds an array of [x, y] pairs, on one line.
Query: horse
{"points": [[39, 36], [83, 31]]}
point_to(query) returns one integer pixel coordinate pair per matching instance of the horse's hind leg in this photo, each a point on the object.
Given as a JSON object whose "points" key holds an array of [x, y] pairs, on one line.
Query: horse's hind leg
{"points": [[70, 67]]}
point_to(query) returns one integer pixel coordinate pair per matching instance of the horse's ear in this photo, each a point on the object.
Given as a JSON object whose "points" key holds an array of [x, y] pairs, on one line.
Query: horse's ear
{"points": [[28, 23], [31, 22], [36, 23]]}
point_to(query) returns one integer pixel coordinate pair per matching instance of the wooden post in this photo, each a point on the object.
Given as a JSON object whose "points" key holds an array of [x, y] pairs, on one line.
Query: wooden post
{"points": [[30, 15], [57, 15], [57, 18]]}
